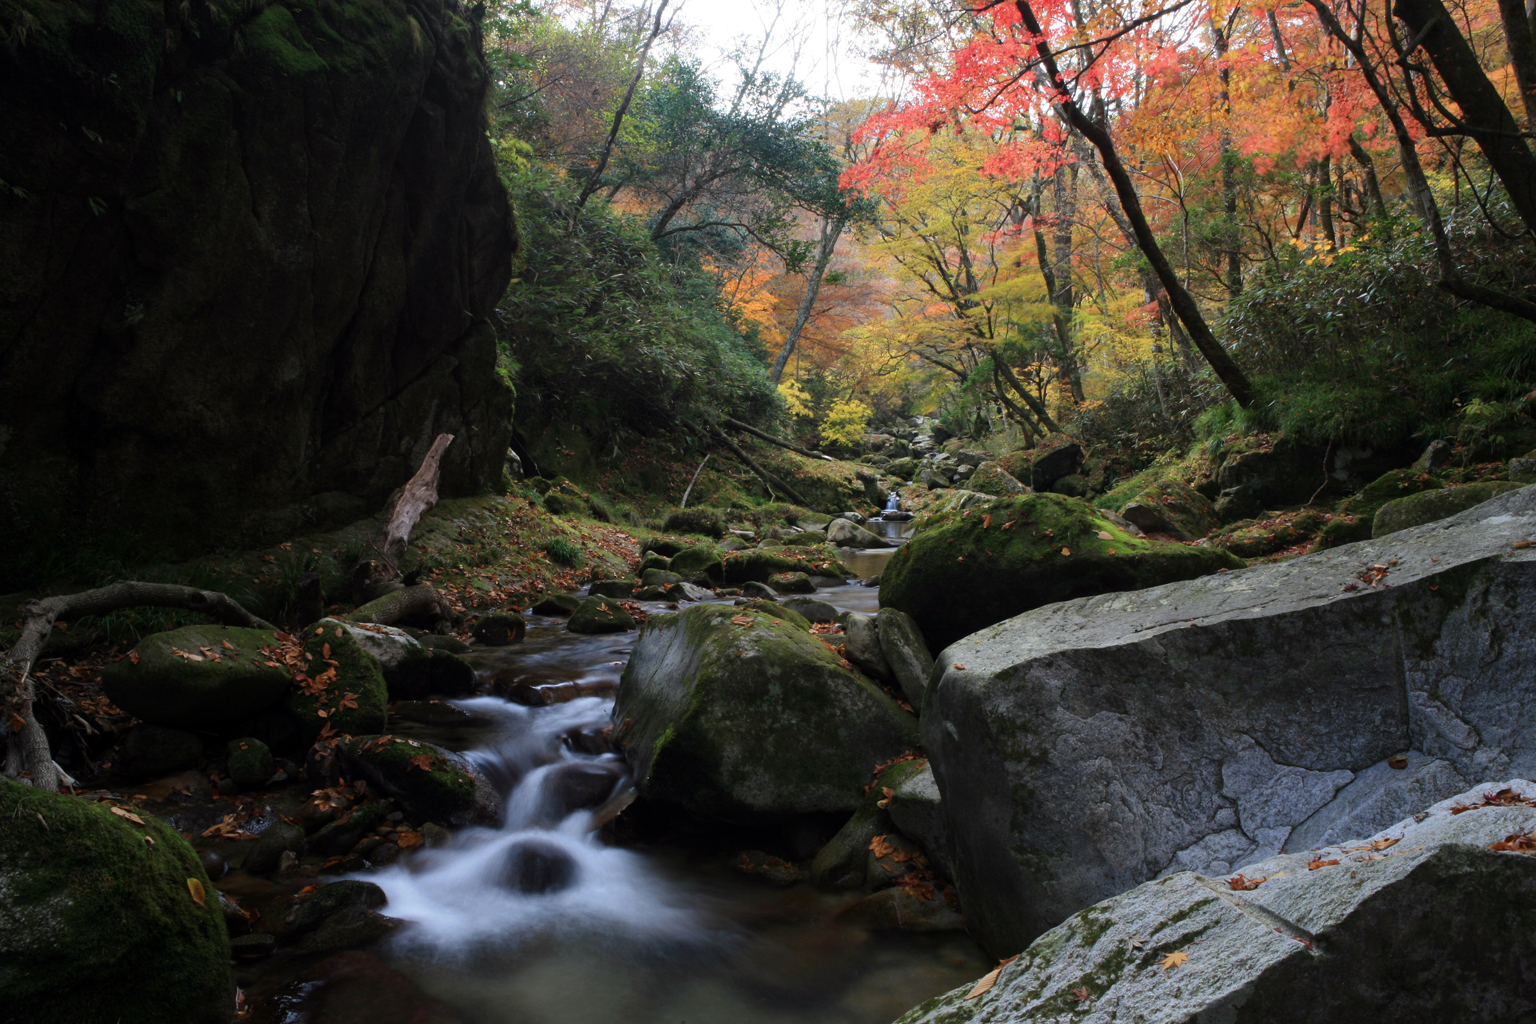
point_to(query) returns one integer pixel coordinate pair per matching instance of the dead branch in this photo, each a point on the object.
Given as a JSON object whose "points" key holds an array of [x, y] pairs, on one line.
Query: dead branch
{"points": [[27, 755], [735, 424], [416, 498], [689, 489], [766, 477], [422, 599]]}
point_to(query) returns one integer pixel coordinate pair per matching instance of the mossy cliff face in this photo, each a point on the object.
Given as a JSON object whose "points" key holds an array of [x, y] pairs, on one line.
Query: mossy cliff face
{"points": [[98, 918], [966, 570], [247, 255], [733, 713]]}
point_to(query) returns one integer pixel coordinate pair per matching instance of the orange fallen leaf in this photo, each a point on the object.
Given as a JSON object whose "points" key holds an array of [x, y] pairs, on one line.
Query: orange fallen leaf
{"points": [[199, 894], [325, 651], [1081, 994], [1397, 761], [986, 521], [1315, 864], [229, 645], [985, 984], [1106, 535], [123, 812], [959, 666], [1242, 884], [1066, 551], [133, 656], [1172, 960]]}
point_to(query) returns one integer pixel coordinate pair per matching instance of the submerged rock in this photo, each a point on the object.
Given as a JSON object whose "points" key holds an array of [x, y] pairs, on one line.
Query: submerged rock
{"points": [[537, 866], [1089, 746], [500, 629], [103, 918], [1426, 922], [967, 570], [600, 615], [730, 714], [198, 677]]}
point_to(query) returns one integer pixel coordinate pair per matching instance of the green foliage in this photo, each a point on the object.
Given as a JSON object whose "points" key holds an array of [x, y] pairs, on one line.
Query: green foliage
{"points": [[563, 552]]}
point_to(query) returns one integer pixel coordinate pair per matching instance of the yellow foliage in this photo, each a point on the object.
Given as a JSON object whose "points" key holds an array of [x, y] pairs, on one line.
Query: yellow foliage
{"points": [[795, 399], [845, 421]]}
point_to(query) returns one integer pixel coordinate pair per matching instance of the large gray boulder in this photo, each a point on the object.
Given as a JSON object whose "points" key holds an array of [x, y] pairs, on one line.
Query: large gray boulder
{"points": [[1421, 924], [850, 535], [1089, 746], [729, 712]]}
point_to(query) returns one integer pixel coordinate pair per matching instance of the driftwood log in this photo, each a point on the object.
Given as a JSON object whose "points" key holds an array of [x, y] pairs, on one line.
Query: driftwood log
{"points": [[421, 599], [766, 477], [689, 489], [415, 500], [748, 428], [28, 758]]}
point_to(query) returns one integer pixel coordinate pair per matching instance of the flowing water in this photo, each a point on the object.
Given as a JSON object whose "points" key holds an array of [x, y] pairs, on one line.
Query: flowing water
{"points": [[547, 921]]}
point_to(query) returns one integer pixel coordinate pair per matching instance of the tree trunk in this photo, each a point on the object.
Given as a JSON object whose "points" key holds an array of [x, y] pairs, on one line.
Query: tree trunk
{"points": [[1372, 185], [1064, 297], [1183, 302], [1232, 237], [1522, 51], [764, 435], [618, 115], [766, 477], [422, 599], [831, 231], [416, 499]]}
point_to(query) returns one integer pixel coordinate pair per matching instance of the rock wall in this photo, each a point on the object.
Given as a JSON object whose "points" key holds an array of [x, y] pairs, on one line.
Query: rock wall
{"points": [[1086, 747], [248, 253]]}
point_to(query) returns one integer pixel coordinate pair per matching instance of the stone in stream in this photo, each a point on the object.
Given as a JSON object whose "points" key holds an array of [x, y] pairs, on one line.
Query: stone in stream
{"points": [[538, 695], [697, 565], [791, 583], [1089, 746], [848, 535], [429, 783], [905, 652], [98, 924], [536, 867], [1428, 506], [1423, 923], [250, 763], [150, 751], [499, 629], [743, 566], [413, 668], [812, 609], [265, 855], [578, 785], [659, 577], [600, 615], [917, 811], [617, 589], [198, 677], [843, 862], [346, 691], [861, 645], [776, 611], [311, 912], [752, 588], [731, 714], [556, 604], [964, 571], [918, 908]]}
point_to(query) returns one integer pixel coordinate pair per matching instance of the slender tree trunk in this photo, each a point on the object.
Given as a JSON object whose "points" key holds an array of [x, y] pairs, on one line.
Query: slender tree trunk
{"points": [[1324, 182], [1522, 51], [1183, 302], [1064, 193], [618, 115], [831, 231], [1232, 237], [1372, 185]]}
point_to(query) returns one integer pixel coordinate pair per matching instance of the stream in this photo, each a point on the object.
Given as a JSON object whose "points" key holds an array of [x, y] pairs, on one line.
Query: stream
{"points": [[549, 921]]}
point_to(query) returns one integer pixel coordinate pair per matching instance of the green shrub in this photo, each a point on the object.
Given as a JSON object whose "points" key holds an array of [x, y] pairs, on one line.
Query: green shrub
{"points": [[563, 552]]}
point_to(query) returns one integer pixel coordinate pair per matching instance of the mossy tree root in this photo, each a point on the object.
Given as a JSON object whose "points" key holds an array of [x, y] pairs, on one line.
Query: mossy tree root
{"points": [[422, 599], [28, 758]]}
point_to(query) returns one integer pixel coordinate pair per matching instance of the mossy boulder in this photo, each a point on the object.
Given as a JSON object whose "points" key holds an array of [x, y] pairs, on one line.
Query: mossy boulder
{"points": [[843, 863], [500, 629], [659, 578], [791, 583], [1173, 508], [343, 685], [1428, 506], [430, 783], [100, 918], [600, 615], [758, 564], [967, 570], [730, 714], [1353, 519], [556, 604], [1257, 539], [697, 563], [415, 664], [251, 763], [1278, 468], [198, 677], [653, 560], [778, 611], [706, 522]]}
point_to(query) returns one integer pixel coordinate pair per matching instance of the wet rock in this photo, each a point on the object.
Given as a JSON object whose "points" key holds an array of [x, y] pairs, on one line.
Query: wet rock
{"points": [[843, 863], [310, 913], [358, 988], [500, 629], [591, 740], [1429, 506], [773, 870], [902, 908], [235, 922], [750, 721], [1182, 727], [348, 929], [847, 535], [556, 604], [901, 641], [536, 867], [791, 583], [264, 856], [697, 564], [430, 783], [812, 609], [150, 751], [964, 571], [338, 838], [332, 648], [1330, 935], [581, 784], [861, 646], [99, 925], [251, 764], [213, 864], [618, 590], [253, 947], [435, 836], [437, 712], [193, 689], [539, 694]]}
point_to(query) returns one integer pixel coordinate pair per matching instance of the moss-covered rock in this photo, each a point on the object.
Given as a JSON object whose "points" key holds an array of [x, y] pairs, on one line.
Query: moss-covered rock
{"points": [[697, 563], [556, 604], [791, 583], [429, 782], [500, 629], [730, 714], [659, 578], [600, 615], [198, 677], [1352, 521], [105, 919], [967, 570], [990, 478], [843, 862], [341, 685], [1428, 506], [251, 764], [706, 522], [757, 565], [653, 560], [1174, 508], [777, 611], [1257, 539]]}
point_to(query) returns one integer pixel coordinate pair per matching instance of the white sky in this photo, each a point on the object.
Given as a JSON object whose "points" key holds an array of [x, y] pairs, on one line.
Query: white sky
{"points": [[826, 62]]}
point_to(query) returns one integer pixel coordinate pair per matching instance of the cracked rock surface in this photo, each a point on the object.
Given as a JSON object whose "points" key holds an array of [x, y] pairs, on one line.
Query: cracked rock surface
{"points": [[1419, 924], [1090, 746]]}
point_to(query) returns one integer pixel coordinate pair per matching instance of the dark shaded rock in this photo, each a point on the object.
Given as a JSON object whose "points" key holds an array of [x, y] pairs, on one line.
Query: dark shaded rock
{"points": [[903, 909], [917, 811], [791, 583], [1257, 539], [556, 604], [251, 764], [253, 947], [265, 855], [415, 664], [703, 521], [1353, 518], [811, 609], [752, 588], [100, 925], [861, 646], [758, 565], [750, 722], [697, 564], [901, 641], [773, 870], [193, 690], [312, 220], [653, 560], [1055, 457], [964, 571], [537, 866], [581, 784], [428, 782], [1279, 470], [659, 578], [1429, 506], [338, 838], [617, 589], [1073, 485], [843, 863], [347, 929], [1237, 503], [500, 629], [309, 913], [1437, 455], [600, 615], [150, 751]]}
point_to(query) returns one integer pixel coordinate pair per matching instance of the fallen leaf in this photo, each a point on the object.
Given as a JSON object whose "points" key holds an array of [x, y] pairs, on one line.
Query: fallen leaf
{"points": [[1242, 884], [1081, 994], [123, 812], [1106, 535], [325, 651], [1397, 761], [986, 521], [959, 666], [1172, 960], [1522, 544], [133, 656], [229, 645], [1066, 551], [985, 984], [1315, 864], [199, 894], [149, 839]]}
